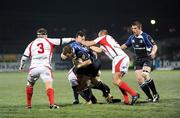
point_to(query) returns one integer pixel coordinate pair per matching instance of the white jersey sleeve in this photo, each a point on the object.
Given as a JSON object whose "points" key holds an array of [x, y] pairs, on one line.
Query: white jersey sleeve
{"points": [[58, 41], [66, 40], [27, 50], [26, 56], [55, 41]]}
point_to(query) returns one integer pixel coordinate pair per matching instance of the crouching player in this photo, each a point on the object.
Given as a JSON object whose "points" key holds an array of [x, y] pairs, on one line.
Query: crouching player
{"points": [[86, 68]]}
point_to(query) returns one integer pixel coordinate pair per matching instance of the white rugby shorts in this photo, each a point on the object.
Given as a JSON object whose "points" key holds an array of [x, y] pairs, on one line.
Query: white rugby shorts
{"points": [[43, 73], [120, 64]]}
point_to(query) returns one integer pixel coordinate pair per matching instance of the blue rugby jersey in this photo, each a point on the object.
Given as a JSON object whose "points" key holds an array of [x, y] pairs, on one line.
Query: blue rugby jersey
{"points": [[82, 52], [141, 44]]}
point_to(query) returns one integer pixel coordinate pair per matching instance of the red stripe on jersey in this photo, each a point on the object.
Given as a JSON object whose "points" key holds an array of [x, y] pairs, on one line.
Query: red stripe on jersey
{"points": [[51, 48], [117, 67], [104, 43]]}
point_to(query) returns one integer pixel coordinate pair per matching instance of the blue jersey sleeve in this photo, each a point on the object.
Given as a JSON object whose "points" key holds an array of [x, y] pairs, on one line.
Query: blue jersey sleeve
{"points": [[148, 40], [128, 42]]}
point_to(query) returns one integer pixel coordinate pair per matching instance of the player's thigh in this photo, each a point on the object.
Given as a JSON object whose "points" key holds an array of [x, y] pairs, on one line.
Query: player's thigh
{"points": [[124, 65], [46, 75], [33, 76], [148, 63], [95, 80], [138, 64], [139, 77], [120, 64], [84, 82]]}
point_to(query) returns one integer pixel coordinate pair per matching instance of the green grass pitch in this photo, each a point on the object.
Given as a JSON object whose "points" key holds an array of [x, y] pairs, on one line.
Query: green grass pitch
{"points": [[12, 98]]}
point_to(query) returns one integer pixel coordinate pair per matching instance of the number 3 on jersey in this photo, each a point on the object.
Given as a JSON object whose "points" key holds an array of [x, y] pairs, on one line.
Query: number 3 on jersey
{"points": [[41, 48]]}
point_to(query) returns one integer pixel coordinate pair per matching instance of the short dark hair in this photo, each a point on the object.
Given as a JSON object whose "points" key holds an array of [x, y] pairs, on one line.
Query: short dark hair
{"points": [[80, 33], [137, 23], [41, 31], [67, 50]]}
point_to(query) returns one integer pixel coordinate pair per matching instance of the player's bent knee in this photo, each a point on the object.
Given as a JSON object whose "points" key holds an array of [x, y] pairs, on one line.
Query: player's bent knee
{"points": [[116, 81], [30, 84], [145, 74]]}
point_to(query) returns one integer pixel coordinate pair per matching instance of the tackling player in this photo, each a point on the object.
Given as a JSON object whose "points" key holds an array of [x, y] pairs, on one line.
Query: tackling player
{"points": [[120, 62], [40, 51], [86, 64]]}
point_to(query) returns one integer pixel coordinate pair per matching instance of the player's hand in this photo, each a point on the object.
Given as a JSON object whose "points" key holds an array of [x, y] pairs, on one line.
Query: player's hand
{"points": [[78, 66], [153, 55], [20, 68]]}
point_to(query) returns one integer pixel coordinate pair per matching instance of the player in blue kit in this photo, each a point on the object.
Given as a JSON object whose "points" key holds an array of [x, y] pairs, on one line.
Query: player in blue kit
{"points": [[86, 67], [145, 50]]}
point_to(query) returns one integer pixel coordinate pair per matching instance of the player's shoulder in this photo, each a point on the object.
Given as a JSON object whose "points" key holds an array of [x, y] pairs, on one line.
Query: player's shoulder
{"points": [[109, 37], [52, 39], [145, 34], [73, 43], [131, 36]]}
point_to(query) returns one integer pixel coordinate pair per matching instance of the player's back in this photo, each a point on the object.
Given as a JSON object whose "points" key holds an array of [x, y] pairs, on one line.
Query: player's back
{"points": [[80, 50], [41, 50], [83, 52], [110, 47]]}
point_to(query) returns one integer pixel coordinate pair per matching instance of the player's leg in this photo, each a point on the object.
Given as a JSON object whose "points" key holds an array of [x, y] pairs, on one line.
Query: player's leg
{"points": [[140, 79], [143, 85], [74, 84], [80, 86], [47, 77], [75, 94], [98, 79], [104, 88], [87, 94], [125, 88], [94, 72], [84, 89], [145, 73], [98, 84], [125, 96], [31, 79], [120, 67]]}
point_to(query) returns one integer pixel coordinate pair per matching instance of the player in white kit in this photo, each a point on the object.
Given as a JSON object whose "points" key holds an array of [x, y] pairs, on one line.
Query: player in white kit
{"points": [[40, 51], [120, 62]]}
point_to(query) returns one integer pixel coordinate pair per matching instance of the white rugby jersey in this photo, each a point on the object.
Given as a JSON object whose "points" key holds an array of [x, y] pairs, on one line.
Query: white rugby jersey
{"points": [[110, 47], [41, 49]]}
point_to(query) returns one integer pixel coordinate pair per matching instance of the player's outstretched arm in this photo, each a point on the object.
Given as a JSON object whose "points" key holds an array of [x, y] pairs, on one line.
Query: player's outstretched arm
{"points": [[67, 40], [96, 49], [86, 43]]}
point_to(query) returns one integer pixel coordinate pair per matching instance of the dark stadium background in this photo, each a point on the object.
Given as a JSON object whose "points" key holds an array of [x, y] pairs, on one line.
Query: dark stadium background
{"points": [[19, 19]]}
